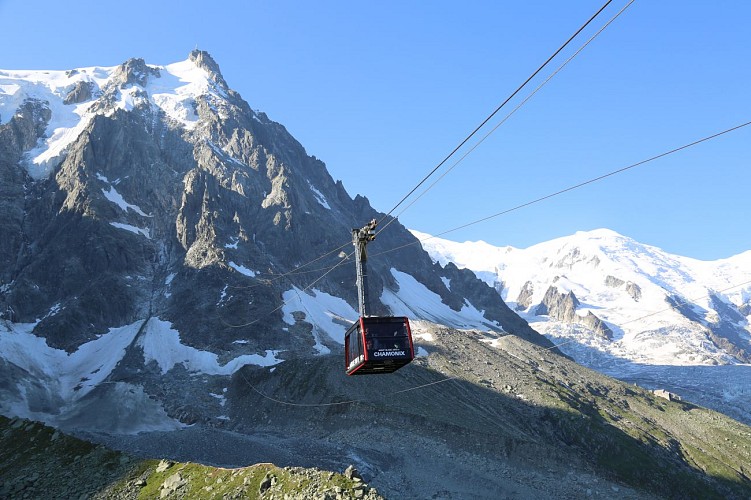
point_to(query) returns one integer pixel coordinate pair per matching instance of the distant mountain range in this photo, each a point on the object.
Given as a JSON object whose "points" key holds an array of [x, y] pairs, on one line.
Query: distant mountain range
{"points": [[606, 295], [629, 310]]}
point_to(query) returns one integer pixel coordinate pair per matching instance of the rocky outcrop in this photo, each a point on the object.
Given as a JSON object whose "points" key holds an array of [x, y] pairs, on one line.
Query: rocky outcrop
{"points": [[630, 287], [613, 282], [572, 257], [524, 300], [633, 290], [203, 59], [17, 136], [562, 307], [81, 92], [596, 325], [134, 72], [558, 305], [728, 330]]}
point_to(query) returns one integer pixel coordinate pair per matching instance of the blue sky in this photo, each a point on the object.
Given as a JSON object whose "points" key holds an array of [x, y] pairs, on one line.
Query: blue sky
{"points": [[382, 91]]}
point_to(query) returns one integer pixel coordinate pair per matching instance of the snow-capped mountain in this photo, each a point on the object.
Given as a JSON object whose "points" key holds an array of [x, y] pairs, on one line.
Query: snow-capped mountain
{"points": [[629, 310], [153, 228], [599, 292]]}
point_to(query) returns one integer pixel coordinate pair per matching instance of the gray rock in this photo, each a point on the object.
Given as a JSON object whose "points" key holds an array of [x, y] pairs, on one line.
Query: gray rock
{"points": [[633, 290], [613, 282], [352, 473], [164, 465], [266, 483], [562, 307], [172, 484], [557, 305], [82, 91], [524, 300]]}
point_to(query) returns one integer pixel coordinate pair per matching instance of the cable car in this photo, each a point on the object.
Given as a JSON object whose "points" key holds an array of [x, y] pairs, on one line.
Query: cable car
{"points": [[378, 344], [374, 344]]}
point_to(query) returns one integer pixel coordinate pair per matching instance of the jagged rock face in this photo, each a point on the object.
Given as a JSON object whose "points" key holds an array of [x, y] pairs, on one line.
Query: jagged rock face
{"points": [[596, 325], [16, 136], [613, 282], [562, 307], [558, 305], [725, 331], [633, 290], [524, 300], [189, 213], [629, 286], [81, 92]]}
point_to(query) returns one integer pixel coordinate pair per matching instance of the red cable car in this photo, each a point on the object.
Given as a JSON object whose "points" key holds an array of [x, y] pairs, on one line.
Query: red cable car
{"points": [[378, 344], [374, 344]]}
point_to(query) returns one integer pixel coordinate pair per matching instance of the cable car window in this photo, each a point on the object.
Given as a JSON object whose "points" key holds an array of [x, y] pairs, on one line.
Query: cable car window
{"points": [[387, 336], [353, 347], [377, 345]]}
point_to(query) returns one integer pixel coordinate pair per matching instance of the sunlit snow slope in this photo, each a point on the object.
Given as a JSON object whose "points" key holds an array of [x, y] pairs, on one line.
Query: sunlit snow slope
{"points": [[72, 98], [662, 309]]}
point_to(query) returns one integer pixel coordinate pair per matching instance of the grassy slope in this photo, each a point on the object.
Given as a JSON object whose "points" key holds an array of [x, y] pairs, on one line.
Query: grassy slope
{"points": [[40, 462], [515, 402]]}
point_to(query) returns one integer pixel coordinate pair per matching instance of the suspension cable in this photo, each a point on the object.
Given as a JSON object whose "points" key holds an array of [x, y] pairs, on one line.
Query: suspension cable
{"points": [[422, 386], [486, 120], [575, 186], [509, 210], [512, 112]]}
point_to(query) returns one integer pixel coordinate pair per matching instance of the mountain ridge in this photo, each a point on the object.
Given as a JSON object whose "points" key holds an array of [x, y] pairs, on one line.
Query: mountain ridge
{"points": [[622, 281], [152, 201]]}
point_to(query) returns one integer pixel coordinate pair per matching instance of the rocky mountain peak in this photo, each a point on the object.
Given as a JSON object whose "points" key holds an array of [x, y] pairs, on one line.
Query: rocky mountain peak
{"points": [[26, 126], [168, 225], [621, 288], [203, 60], [134, 71]]}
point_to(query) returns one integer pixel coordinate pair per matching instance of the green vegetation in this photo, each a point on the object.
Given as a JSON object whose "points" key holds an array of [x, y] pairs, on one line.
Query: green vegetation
{"points": [[262, 480], [651, 443], [39, 462]]}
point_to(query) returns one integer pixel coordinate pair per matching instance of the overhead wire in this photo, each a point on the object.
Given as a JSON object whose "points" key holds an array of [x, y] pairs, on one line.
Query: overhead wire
{"points": [[463, 142], [511, 113], [337, 403], [277, 277], [509, 210], [490, 117], [575, 186], [266, 282], [285, 302], [422, 386]]}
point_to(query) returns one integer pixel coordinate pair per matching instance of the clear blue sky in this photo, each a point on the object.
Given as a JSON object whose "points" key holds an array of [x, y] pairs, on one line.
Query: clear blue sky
{"points": [[382, 91]]}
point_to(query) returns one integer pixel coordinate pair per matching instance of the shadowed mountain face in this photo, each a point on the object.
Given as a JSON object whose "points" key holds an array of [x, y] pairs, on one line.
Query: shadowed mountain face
{"points": [[40, 462], [478, 415], [150, 216]]}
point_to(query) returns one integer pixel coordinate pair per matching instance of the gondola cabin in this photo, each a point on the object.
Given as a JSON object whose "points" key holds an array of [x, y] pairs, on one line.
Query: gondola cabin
{"points": [[378, 345]]}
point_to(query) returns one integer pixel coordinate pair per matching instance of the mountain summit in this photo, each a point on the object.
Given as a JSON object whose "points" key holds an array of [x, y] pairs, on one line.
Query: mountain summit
{"points": [[619, 297], [154, 223]]}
